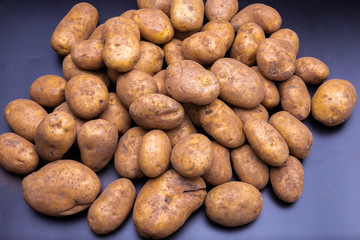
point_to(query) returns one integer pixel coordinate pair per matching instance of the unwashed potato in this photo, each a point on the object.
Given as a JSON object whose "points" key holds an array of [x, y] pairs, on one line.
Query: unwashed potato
{"points": [[187, 15], [61, 188], [77, 25], [112, 207], [64, 107], [333, 102], [23, 116], [48, 90], [173, 51], [163, 5], [98, 33], [233, 204], [182, 35], [113, 75], [192, 111], [223, 29], [17, 154], [288, 35], [185, 128], [311, 70], [244, 115], [151, 59], [221, 9], [288, 180], [165, 203], [160, 79], [87, 54]]}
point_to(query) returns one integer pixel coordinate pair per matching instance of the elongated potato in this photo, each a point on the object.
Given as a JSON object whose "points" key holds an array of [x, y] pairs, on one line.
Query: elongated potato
{"points": [[288, 35], [311, 70], [221, 9], [87, 54], [173, 51], [185, 128], [244, 115], [223, 29], [187, 15], [151, 59]]}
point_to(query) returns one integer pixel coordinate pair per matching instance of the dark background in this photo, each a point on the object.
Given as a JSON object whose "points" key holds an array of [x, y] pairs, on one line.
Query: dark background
{"points": [[330, 205]]}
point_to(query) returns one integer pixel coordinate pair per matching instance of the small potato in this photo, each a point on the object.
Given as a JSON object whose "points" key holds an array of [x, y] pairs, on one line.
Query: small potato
{"points": [[239, 85], [221, 123], [23, 116], [311, 70], [151, 59], [192, 111], [233, 204], [112, 207], [61, 188], [55, 135], [295, 97], [223, 29], [17, 154], [113, 75], [126, 158], [244, 115], [246, 43], [204, 47], [134, 84], [182, 35], [249, 168], [48, 90], [165, 203], [87, 96], [266, 142], [116, 114], [288, 35], [157, 111], [173, 51], [64, 107], [185, 128], [220, 171], [163, 5], [333, 102], [187, 15], [265, 16], [87, 54], [188, 81], [160, 79], [97, 141], [154, 153], [77, 25], [98, 33], [221, 10], [288, 180]]}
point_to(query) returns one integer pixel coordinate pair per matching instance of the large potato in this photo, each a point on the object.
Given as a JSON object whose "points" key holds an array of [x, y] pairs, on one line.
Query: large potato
{"points": [[244, 115], [233, 204], [173, 51], [223, 29], [165, 203], [311, 70], [87, 54], [185, 128], [61, 188], [151, 59], [221, 9], [163, 5], [288, 35], [187, 15]]}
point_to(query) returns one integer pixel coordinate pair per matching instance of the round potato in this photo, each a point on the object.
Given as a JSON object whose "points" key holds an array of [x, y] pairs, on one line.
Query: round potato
{"points": [[87, 54], [233, 204], [187, 15], [163, 5], [192, 111], [223, 10], [64, 107], [311, 70], [173, 51], [185, 128], [244, 115], [223, 29], [151, 59], [160, 79], [61, 188], [98, 33], [288, 35]]}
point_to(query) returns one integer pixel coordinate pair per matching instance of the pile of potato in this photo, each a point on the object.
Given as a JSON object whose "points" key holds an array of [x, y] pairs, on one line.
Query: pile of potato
{"points": [[205, 114]]}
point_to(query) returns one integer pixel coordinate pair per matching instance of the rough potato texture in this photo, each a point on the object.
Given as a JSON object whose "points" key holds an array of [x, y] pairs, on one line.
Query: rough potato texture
{"points": [[163, 5], [333, 102], [311, 70], [287, 35], [259, 112], [87, 54], [151, 59], [165, 203], [173, 51], [64, 107], [185, 128], [17, 154], [98, 33], [233, 204], [112, 207], [221, 10], [187, 15], [223, 29], [288, 180], [160, 79]]}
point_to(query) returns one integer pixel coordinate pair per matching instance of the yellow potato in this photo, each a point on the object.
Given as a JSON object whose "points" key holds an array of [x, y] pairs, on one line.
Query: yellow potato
{"points": [[187, 15], [223, 29], [163, 5], [113, 75], [221, 9], [173, 51], [151, 59], [311, 70], [185, 128], [244, 115], [288, 35], [98, 33], [87, 54]]}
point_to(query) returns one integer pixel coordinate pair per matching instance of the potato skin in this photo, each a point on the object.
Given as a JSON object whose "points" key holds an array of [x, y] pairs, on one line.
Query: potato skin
{"points": [[223, 29], [61, 188], [185, 128], [151, 59], [98, 33], [17, 154], [187, 15], [169, 198], [259, 112], [87, 54], [160, 79], [311, 70], [23, 116], [173, 51], [48, 90], [112, 207], [163, 5], [288, 180], [192, 111], [77, 25], [64, 107], [288, 35], [333, 102], [221, 10], [233, 204]]}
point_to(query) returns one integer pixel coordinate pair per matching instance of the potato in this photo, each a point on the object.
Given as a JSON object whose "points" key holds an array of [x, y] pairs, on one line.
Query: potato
{"points": [[288, 180], [333, 102], [157, 111], [203, 47], [244, 115], [276, 59], [192, 156], [173, 51], [223, 29], [187, 15], [48, 90], [87, 54], [134, 84], [112, 207], [87, 96], [239, 85], [288, 35], [17, 154], [64, 107], [165, 203], [295, 97], [247, 41], [55, 135], [160, 79], [23, 116], [221, 10], [113, 75], [233, 204], [77, 25], [311, 70], [221, 123], [116, 114], [61, 188], [188, 81], [98, 33], [297, 136], [182, 35], [97, 141], [163, 5], [154, 153], [126, 158], [248, 167], [265, 16], [192, 111], [185, 128], [151, 59], [220, 171], [266, 142]]}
